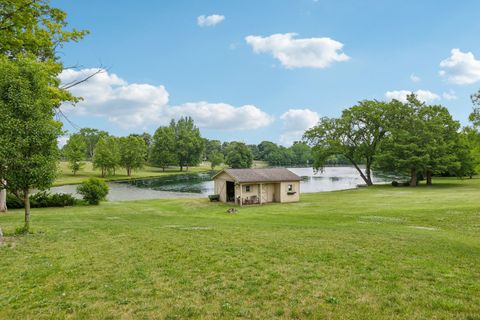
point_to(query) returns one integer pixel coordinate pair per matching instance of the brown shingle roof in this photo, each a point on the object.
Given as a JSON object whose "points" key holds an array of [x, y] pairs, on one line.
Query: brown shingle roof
{"points": [[261, 175]]}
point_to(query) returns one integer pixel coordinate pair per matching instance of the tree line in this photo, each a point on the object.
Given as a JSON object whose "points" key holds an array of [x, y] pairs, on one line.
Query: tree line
{"points": [[179, 144], [410, 139]]}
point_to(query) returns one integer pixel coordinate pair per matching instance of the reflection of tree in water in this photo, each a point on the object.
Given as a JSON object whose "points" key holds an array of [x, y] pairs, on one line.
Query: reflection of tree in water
{"points": [[191, 182]]}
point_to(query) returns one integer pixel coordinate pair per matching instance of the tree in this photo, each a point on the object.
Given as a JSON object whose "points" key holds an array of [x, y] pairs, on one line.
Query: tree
{"points": [[132, 153], [74, 151], [356, 135], [424, 140], [212, 146], [239, 155], [28, 132], [189, 144], [163, 150], [441, 139], [216, 158], [91, 137], [301, 153], [106, 155], [34, 29]]}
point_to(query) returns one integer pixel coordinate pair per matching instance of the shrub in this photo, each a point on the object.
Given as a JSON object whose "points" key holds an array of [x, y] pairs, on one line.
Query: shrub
{"points": [[42, 200], [395, 183], [93, 190], [406, 183]]}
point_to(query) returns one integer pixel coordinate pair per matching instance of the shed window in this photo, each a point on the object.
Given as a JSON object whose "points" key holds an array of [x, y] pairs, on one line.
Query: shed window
{"points": [[290, 188], [247, 188]]}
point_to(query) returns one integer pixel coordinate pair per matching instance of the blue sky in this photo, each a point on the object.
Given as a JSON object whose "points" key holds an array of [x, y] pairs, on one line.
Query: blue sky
{"points": [[266, 70]]}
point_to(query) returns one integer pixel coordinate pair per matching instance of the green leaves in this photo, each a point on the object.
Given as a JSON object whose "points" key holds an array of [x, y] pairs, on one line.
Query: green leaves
{"points": [[239, 155]]}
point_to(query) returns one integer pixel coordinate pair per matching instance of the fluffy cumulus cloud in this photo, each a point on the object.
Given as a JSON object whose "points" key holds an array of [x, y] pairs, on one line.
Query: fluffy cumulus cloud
{"points": [[210, 21], [105, 94], [222, 116], [293, 52], [295, 122], [460, 68], [422, 95], [140, 105]]}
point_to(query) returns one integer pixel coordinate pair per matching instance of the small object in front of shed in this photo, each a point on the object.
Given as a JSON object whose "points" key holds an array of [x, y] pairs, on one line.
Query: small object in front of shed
{"points": [[232, 210]]}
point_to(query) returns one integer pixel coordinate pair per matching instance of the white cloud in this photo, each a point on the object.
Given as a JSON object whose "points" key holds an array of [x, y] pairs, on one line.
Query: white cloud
{"points": [[105, 94], [460, 68], [299, 53], [415, 78], [221, 116], [295, 122], [422, 95], [62, 141], [209, 21], [139, 105], [450, 95]]}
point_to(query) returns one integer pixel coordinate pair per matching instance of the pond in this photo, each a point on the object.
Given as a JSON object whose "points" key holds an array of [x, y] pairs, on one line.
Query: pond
{"points": [[193, 185]]}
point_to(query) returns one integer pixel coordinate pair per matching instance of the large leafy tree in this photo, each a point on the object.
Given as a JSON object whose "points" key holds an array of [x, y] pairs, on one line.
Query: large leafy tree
{"points": [[423, 141], [239, 155], [74, 151], [106, 155], [356, 135], [132, 153], [31, 32], [162, 151], [189, 144], [29, 94]]}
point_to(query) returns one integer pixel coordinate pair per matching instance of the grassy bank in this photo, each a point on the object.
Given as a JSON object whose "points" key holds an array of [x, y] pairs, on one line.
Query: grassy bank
{"points": [[66, 176], [370, 253]]}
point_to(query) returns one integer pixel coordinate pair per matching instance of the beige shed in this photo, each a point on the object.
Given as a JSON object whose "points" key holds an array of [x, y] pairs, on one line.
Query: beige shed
{"points": [[257, 186]]}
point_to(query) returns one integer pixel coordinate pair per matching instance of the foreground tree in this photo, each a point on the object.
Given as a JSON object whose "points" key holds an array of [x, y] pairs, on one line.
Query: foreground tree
{"points": [[32, 30], [423, 141], [162, 152], [356, 135], [239, 155], [132, 153], [74, 151], [106, 155], [28, 134]]}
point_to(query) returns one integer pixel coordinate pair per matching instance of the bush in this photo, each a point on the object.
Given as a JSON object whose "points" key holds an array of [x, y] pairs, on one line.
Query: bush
{"points": [[42, 200], [395, 183], [93, 190]]}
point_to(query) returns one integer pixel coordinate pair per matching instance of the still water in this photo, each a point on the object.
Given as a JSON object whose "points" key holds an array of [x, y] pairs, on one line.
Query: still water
{"points": [[201, 185]]}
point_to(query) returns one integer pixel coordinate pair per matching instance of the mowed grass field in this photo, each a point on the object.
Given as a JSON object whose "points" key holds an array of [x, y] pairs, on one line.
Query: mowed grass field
{"points": [[376, 253]]}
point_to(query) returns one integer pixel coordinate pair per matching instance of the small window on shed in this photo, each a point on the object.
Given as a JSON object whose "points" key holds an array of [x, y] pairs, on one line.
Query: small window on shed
{"points": [[247, 188], [290, 188]]}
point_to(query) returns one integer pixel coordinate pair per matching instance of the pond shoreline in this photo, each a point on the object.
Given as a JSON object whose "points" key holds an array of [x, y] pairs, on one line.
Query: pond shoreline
{"points": [[200, 185]]}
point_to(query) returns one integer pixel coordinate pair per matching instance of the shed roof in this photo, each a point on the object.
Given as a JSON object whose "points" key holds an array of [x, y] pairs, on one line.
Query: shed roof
{"points": [[260, 175]]}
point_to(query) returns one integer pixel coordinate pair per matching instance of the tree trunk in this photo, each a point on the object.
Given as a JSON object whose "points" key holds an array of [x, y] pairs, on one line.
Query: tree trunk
{"points": [[3, 196], [429, 178], [181, 167], [413, 178], [26, 202], [129, 172], [368, 173], [3, 200], [361, 173], [163, 169]]}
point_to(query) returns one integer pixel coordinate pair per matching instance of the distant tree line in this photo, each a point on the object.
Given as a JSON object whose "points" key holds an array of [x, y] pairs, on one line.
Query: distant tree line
{"points": [[411, 139]]}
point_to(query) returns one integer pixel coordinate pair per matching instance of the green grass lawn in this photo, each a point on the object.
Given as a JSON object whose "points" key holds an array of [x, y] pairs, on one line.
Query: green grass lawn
{"points": [[376, 253], [66, 176]]}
